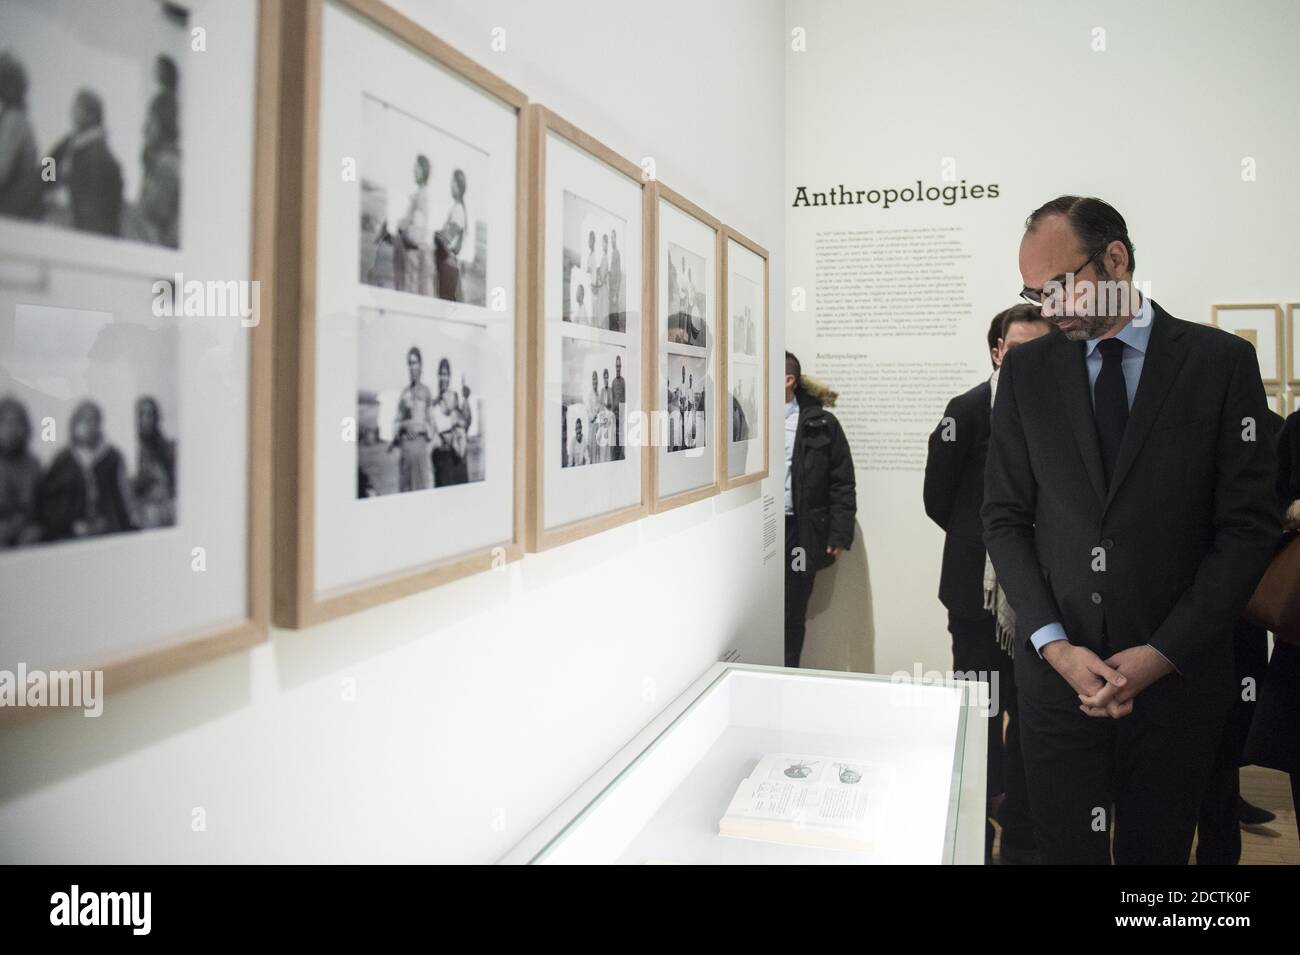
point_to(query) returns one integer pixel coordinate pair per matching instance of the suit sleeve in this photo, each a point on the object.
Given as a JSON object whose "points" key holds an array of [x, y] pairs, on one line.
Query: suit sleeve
{"points": [[1010, 502], [944, 464], [843, 492], [1288, 487], [1246, 522]]}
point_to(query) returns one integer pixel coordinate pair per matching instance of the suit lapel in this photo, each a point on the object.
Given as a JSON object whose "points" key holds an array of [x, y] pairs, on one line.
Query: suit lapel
{"points": [[1165, 354], [1072, 376]]}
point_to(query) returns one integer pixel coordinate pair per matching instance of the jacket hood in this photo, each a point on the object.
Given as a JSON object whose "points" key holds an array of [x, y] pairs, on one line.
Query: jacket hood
{"points": [[821, 393]]}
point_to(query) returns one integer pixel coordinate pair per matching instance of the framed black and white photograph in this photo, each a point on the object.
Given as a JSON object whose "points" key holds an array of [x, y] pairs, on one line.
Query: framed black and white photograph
{"points": [[402, 368], [593, 275], [593, 396], [420, 417], [1261, 325], [96, 153], [688, 430], [745, 344], [424, 200], [95, 456], [587, 430], [688, 299], [135, 401], [686, 403]]}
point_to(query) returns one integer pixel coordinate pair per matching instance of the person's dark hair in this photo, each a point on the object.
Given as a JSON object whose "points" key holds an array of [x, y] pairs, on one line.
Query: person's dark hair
{"points": [[414, 350], [165, 72], [154, 441], [1023, 312], [86, 407], [13, 82], [995, 332], [1096, 222], [792, 367], [92, 104], [10, 404]]}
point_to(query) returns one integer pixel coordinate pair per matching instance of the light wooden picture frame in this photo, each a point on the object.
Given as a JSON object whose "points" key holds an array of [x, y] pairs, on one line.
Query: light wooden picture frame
{"points": [[734, 360], [1261, 325], [225, 354], [667, 475], [577, 179], [433, 102], [1292, 344], [1276, 398]]}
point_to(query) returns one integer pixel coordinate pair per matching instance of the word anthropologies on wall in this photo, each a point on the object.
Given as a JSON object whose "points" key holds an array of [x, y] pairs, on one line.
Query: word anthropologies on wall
{"points": [[840, 196]]}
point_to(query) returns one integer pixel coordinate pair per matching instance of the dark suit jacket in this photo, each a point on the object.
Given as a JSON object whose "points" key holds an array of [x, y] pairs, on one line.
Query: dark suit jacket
{"points": [[1288, 461], [954, 493], [1186, 527]]}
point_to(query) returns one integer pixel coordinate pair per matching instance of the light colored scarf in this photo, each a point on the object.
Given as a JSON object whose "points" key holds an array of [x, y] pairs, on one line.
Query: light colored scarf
{"points": [[995, 598]]}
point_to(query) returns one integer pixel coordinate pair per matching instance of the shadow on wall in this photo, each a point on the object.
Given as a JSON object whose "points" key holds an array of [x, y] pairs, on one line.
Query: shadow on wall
{"points": [[841, 632]]}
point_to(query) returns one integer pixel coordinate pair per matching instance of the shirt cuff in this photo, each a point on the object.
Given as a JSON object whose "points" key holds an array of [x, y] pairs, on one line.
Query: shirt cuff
{"points": [[1048, 633]]}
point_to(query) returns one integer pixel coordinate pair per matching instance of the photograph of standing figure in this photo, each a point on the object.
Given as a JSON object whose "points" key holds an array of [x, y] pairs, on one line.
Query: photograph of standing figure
{"points": [[90, 140], [745, 302], [687, 425], [594, 281], [86, 408], [423, 226], [687, 300], [426, 432], [592, 403], [744, 407]]}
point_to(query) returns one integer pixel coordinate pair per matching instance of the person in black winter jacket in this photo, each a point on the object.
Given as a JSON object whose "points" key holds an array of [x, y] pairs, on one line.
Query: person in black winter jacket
{"points": [[820, 495]]}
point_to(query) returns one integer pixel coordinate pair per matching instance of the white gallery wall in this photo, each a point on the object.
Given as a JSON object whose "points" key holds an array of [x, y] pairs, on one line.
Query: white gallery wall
{"points": [[441, 728], [1185, 116]]}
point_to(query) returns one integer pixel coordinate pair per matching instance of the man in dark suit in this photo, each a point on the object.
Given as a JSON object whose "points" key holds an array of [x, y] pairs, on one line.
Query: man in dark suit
{"points": [[953, 493], [1129, 513]]}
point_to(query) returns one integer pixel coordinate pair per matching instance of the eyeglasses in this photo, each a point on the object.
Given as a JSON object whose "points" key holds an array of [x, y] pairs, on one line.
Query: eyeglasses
{"points": [[1036, 296]]}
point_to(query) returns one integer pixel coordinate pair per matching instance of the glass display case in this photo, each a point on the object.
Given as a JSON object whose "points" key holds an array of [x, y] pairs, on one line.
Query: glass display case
{"points": [[660, 798]]}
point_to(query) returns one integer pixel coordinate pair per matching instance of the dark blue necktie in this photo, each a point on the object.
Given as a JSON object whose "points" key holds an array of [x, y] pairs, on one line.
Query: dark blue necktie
{"points": [[1110, 403]]}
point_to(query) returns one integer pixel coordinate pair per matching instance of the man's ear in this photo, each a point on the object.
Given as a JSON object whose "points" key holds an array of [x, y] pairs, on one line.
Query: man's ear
{"points": [[1116, 259]]}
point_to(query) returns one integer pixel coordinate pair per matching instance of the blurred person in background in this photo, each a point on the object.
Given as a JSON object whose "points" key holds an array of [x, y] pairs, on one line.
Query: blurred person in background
{"points": [[820, 495]]}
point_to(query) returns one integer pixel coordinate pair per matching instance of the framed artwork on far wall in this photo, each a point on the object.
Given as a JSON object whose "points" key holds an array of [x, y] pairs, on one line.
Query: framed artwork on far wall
{"points": [[1261, 325], [135, 324], [687, 427], [745, 374], [1293, 347], [400, 367], [588, 460]]}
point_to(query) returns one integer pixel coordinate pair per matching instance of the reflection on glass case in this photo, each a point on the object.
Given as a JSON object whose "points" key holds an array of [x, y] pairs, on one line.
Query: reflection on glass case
{"points": [[797, 766]]}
